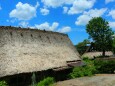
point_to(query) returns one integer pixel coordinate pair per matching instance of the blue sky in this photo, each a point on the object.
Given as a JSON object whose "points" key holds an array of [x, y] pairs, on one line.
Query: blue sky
{"points": [[65, 16]]}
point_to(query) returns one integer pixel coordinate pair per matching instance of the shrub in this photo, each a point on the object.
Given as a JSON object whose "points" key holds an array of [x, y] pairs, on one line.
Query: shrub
{"points": [[87, 70], [104, 66], [46, 82], [93, 67], [3, 83], [77, 72]]}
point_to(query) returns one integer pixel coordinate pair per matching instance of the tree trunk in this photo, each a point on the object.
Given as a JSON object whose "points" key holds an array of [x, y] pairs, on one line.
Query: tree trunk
{"points": [[103, 54]]}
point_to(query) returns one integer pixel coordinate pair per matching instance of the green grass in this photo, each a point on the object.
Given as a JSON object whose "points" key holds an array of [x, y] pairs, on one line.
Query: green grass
{"points": [[3, 83], [49, 81], [87, 70]]}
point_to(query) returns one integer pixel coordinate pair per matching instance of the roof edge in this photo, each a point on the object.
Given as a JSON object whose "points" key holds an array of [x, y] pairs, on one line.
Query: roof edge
{"points": [[32, 29]]}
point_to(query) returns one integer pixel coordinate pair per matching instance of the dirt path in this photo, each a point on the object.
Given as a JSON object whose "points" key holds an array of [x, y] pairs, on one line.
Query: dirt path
{"points": [[98, 80]]}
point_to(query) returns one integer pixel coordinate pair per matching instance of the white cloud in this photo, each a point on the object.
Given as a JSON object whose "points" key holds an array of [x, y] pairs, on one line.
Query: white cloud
{"points": [[12, 20], [65, 9], [43, 26], [37, 5], [68, 2], [23, 24], [52, 3], [112, 25], [24, 11], [74, 6], [112, 13], [81, 5], [57, 3], [64, 29], [108, 1], [44, 11], [47, 26], [96, 12], [52, 27], [83, 19]]}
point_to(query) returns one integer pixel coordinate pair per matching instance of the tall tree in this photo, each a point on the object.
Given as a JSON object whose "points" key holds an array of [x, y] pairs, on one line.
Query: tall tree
{"points": [[99, 30]]}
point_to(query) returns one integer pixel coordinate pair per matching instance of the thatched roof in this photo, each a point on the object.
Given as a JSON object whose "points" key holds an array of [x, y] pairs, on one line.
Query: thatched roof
{"points": [[93, 54], [30, 50]]}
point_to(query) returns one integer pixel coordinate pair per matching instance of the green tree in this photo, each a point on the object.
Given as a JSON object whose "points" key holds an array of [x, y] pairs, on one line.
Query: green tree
{"points": [[99, 30], [113, 45], [82, 46]]}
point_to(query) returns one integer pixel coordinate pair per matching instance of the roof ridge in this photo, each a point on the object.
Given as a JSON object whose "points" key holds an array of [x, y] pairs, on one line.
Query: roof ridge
{"points": [[28, 28]]}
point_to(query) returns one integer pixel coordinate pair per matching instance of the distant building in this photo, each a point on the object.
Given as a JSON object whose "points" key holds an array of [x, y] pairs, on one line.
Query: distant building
{"points": [[92, 55], [92, 52]]}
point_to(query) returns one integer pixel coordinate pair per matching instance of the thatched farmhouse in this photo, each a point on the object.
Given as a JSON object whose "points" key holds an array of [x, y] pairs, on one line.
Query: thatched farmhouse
{"points": [[24, 51], [93, 54]]}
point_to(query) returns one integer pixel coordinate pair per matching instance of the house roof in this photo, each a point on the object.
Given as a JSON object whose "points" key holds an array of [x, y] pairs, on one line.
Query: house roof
{"points": [[93, 54], [29, 50]]}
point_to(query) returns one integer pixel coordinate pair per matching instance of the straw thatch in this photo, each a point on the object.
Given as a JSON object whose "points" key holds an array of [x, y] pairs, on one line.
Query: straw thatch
{"points": [[93, 54], [30, 50]]}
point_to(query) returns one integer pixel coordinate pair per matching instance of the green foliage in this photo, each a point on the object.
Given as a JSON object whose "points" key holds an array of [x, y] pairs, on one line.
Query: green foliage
{"points": [[81, 47], [87, 70], [46, 82], [77, 72], [99, 30], [104, 66], [3, 83], [113, 46], [92, 67]]}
